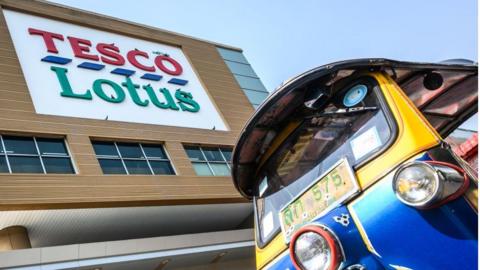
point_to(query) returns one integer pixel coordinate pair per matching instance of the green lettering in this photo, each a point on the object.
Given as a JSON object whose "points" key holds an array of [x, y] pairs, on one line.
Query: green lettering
{"points": [[169, 99], [97, 88], [132, 89], [287, 216], [67, 90], [298, 209], [186, 101], [337, 180], [317, 192], [162, 105]]}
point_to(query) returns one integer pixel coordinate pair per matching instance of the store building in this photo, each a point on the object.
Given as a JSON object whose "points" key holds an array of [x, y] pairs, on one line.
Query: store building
{"points": [[115, 144]]}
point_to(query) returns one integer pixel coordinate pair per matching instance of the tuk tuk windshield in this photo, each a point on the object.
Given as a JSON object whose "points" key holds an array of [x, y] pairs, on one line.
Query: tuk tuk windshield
{"points": [[352, 126]]}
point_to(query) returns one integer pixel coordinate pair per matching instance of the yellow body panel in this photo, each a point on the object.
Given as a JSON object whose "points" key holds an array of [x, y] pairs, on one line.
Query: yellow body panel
{"points": [[414, 135]]}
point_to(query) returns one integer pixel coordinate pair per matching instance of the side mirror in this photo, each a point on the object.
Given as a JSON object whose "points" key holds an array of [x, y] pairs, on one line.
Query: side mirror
{"points": [[315, 99]]}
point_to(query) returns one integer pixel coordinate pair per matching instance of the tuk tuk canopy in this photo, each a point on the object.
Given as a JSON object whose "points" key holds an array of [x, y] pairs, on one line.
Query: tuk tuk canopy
{"points": [[446, 93]]}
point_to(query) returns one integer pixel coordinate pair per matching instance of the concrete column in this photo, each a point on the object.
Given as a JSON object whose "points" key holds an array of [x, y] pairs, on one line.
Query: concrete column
{"points": [[14, 237]]}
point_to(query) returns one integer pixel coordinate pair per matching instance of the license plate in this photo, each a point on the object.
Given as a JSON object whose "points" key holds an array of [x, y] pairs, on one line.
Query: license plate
{"points": [[328, 191]]}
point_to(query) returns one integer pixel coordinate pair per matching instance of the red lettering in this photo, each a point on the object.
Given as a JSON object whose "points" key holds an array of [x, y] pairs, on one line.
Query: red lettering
{"points": [[80, 48], [132, 58], [47, 38], [177, 67], [111, 54]]}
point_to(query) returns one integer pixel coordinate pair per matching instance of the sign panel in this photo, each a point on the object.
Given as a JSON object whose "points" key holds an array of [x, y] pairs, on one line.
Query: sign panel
{"points": [[77, 71]]}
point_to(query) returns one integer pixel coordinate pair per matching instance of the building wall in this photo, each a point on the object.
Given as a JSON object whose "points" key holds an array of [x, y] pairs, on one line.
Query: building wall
{"points": [[90, 187]]}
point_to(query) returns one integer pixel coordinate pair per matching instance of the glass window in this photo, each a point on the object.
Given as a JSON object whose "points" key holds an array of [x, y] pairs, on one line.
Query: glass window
{"points": [[202, 169], [244, 74], [34, 155], [112, 166], [194, 153], [161, 167], [154, 151], [210, 160], [130, 150], [250, 83], [3, 164], [132, 158], [255, 97], [20, 145], [212, 154], [51, 146], [220, 169], [232, 55], [25, 164], [58, 165], [105, 149], [227, 153], [240, 69], [137, 167]]}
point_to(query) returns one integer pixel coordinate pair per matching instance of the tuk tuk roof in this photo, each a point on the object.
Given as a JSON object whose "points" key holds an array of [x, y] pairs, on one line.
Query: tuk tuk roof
{"points": [[459, 77]]}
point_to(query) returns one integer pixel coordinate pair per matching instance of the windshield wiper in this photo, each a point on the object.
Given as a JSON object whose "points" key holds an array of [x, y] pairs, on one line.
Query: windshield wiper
{"points": [[347, 111]]}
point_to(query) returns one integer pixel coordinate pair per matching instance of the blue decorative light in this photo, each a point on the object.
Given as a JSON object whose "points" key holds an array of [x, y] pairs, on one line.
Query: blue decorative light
{"points": [[355, 95]]}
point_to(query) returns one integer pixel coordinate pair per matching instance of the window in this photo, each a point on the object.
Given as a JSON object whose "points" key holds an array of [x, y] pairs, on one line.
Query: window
{"points": [[20, 154], [255, 97], [245, 76], [321, 139], [250, 83], [232, 55], [132, 158], [210, 160], [241, 69]]}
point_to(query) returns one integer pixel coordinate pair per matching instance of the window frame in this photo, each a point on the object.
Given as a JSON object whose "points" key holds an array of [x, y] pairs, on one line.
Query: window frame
{"points": [[392, 123], [206, 161], [40, 156], [144, 158]]}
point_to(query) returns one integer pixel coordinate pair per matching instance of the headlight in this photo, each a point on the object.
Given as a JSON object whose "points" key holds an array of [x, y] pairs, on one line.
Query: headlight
{"points": [[314, 248], [416, 184], [423, 184]]}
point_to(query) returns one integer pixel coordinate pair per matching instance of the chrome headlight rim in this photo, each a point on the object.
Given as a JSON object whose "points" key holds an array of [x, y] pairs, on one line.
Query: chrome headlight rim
{"points": [[336, 250], [438, 184]]}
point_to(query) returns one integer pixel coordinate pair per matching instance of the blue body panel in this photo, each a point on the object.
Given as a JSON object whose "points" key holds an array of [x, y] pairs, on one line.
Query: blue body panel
{"points": [[440, 238]]}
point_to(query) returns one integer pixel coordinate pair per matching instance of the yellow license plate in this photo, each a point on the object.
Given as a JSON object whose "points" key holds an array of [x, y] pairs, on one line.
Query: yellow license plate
{"points": [[328, 191]]}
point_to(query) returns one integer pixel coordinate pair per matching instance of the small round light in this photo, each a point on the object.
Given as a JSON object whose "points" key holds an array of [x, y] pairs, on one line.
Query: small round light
{"points": [[312, 251], [355, 95], [416, 184]]}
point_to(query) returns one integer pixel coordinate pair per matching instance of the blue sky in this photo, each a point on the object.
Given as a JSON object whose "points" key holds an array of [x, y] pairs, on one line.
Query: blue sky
{"points": [[283, 38]]}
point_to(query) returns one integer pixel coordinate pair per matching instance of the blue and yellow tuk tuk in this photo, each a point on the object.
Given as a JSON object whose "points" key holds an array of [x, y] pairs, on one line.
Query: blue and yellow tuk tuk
{"points": [[348, 168]]}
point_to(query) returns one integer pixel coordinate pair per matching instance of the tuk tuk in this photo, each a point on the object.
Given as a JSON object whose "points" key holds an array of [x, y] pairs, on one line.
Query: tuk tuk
{"points": [[348, 168]]}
